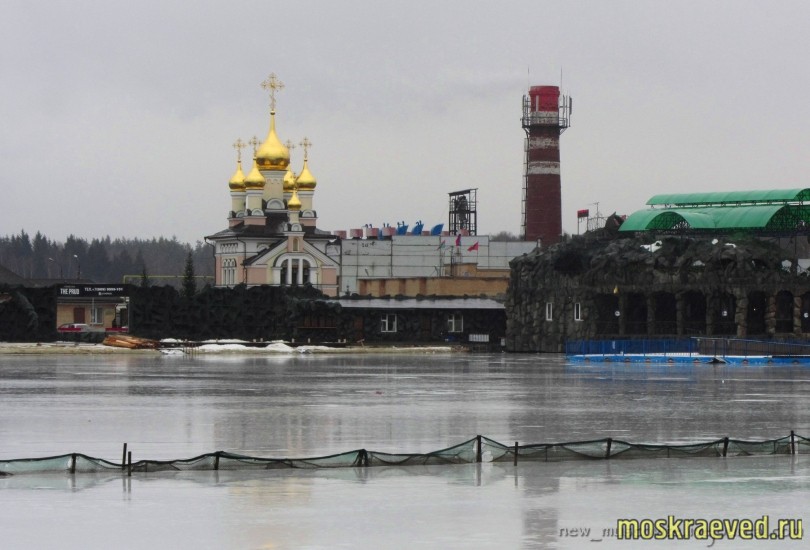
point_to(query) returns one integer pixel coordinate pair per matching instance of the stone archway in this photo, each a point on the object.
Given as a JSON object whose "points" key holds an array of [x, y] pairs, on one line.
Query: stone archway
{"points": [[607, 322], [805, 312], [755, 313], [724, 307], [693, 307], [784, 312], [635, 314], [665, 306]]}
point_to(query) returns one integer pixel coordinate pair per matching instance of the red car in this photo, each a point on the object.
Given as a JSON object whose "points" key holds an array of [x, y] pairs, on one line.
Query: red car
{"points": [[74, 327]]}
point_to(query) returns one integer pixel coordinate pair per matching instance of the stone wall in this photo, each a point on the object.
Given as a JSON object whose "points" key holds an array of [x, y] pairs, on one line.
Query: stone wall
{"points": [[602, 286]]}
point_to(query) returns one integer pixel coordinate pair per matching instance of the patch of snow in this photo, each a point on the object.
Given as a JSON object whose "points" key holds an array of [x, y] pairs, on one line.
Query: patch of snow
{"points": [[652, 247], [279, 347], [313, 349], [208, 348]]}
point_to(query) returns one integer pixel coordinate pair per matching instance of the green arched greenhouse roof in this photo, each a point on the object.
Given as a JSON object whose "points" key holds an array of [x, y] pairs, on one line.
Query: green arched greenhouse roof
{"points": [[763, 216], [731, 197]]}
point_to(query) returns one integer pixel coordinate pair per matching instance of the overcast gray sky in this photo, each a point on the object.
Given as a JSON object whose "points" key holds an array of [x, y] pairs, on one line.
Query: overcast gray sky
{"points": [[118, 117]]}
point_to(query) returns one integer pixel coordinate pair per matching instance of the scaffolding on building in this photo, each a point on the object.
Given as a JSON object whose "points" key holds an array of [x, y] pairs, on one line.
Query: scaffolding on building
{"points": [[463, 212]]}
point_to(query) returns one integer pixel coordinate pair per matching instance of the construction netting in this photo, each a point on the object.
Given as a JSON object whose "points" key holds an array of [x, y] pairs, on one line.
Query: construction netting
{"points": [[477, 449]]}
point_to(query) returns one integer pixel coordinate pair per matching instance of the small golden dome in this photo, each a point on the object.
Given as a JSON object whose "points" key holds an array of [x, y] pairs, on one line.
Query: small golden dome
{"points": [[237, 182], [305, 179], [289, 181], [294, 203], [254, 179], [273, 155]]}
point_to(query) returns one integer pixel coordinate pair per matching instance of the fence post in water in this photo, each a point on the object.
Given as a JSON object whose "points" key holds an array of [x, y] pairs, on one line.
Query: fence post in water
{"points": [[516, 452], [362, 458], [478, 451], [792, 442], [725, 446], [129, 463], [609, 445], [73, 463], [124, 457]]}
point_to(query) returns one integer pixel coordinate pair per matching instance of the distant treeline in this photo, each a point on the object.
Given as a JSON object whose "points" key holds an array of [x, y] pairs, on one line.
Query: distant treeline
{"points": [[155, 261]]}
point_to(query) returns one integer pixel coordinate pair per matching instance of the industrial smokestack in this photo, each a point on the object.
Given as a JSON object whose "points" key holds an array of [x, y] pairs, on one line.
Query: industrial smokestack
{"points": [[545, 117]]}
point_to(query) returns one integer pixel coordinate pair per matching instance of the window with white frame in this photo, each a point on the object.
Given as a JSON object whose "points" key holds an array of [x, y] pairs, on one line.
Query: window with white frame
{"points": [[229, 271], [455, 322], [388, 322], [549, 311], [577, 311], [96, 315]]}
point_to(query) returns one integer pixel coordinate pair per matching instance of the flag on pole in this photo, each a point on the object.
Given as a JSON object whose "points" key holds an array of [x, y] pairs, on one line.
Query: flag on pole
{"points": [[458, 239], [473, 247]]}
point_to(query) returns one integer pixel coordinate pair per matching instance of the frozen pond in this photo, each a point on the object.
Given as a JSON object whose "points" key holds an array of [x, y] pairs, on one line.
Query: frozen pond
{"points": [[297, 406]]}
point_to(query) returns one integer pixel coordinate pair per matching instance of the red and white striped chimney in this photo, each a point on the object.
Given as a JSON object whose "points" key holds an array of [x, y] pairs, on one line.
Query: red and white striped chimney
{"points": [[545, 117]]}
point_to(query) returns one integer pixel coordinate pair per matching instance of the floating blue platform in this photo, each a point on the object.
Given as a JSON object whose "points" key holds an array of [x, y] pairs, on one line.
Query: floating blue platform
{"points": [[757, 360], [697, 350]]}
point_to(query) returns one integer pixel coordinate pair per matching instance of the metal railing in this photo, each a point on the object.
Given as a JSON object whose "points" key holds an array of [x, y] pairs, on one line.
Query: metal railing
{"points": [[715, 347]]}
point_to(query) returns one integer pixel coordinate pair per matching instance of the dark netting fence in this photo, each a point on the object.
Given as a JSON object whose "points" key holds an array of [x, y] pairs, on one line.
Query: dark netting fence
{"points": [[477, 449]]}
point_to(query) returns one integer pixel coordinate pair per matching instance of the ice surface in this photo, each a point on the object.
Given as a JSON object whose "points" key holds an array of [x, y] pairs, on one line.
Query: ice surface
{"points": [[308, 405]]}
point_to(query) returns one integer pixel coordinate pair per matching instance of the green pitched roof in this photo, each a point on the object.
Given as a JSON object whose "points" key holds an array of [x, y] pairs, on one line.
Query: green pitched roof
{"points": [[763, 216], [731, 197]]}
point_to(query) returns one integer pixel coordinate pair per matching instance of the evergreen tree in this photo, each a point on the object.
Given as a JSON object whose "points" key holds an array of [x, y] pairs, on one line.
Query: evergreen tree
{"points": [[189, 284], [24, 253], [104, 260], [40, 254], [97, 262], [145, 282], [76, 252]]}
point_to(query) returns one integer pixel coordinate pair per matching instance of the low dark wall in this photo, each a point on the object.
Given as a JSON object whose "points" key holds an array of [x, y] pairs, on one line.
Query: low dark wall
{"points": [[299, 314], [260, 313]]}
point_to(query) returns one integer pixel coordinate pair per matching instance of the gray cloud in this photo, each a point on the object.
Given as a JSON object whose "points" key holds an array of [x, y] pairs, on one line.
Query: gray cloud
{"points": [[118, 117]]}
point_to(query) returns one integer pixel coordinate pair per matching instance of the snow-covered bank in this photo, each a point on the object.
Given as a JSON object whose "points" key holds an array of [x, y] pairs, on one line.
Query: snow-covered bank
{"points": [[16, 348], [210, 347]]}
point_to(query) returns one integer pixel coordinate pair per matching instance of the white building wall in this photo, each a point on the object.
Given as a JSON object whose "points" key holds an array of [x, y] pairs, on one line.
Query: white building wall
{"points": [[420, 256]]}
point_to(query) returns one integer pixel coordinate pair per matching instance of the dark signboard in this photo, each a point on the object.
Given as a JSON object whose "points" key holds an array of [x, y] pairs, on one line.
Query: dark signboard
{"points": [[92, 291]]}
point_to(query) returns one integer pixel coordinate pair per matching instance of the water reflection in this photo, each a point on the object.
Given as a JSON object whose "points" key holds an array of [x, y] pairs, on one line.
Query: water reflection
{"points": [[298, 406], [474, 505]]}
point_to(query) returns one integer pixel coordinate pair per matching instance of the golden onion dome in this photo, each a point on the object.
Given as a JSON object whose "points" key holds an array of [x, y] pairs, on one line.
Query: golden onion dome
{"points": [[289, 181], [294, 203], [305, 179], [237, 182], [254, 179], [273, 155]]}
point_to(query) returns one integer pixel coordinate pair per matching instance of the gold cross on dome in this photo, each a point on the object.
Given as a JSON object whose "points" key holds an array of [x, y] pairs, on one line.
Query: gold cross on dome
{"points": [[273, 84], [254, 141], [290, 145], [239, 145], [306, 144]]}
